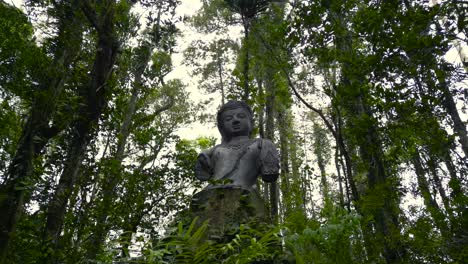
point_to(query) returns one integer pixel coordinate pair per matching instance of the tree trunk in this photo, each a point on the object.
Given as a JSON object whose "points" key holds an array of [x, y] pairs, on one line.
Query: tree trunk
{"points": [[429, 201], [246, 95], [432, 165], [352, 95], [220, 75], [284, 128], [295, 175], [340, 182], [111, 181], [458, 126], [261, 131], [102, 228], [37, 132], [321, 151], [85, 125], [270, 134]]}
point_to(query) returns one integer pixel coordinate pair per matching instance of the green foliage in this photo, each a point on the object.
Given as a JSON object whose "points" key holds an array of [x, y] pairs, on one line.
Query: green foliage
{"points": [[190, 245], [21, 60], [335, 240], [214, 15], [374, 72], [186, 246], [9, 135], [425, 244]]}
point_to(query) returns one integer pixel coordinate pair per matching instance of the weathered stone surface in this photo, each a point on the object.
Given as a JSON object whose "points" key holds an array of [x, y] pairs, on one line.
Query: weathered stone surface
{"points": [[226, 207], [239, 160], [233, 168]]}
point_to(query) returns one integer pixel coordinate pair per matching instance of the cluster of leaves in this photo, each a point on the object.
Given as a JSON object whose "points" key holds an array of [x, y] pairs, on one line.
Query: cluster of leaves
{"points": [[298, 240], [91, 167], [380, 92]]}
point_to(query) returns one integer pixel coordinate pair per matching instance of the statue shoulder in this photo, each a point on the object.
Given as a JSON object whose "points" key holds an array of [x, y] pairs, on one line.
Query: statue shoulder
{"points": [[209, 152], [267, 144]]}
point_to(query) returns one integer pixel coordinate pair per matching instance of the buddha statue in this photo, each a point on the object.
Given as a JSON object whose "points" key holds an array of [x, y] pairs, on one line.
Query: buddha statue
{"points": [[239, 159], [232, 168]]}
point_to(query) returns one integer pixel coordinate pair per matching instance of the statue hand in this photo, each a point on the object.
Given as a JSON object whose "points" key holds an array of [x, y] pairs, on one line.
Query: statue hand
{"points": [[204, 160], [269, 161], [203, 169]]}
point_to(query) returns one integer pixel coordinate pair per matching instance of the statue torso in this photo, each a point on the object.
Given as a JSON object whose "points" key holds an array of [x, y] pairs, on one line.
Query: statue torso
{"points": [[238, 162]]}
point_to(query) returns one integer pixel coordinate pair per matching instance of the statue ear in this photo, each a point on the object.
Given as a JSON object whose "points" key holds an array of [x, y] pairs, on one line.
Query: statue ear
{"points": [[221, 131]]}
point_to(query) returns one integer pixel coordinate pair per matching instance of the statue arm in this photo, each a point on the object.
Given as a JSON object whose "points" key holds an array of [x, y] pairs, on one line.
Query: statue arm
{"points": [[204, 167], [269, 162]]}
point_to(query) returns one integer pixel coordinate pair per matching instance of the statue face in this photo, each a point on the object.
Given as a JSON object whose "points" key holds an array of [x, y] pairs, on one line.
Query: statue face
{"points": [[236, 122]]}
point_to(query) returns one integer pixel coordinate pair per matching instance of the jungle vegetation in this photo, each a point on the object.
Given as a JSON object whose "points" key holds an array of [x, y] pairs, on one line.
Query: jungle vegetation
{"points": [[368, 113]]}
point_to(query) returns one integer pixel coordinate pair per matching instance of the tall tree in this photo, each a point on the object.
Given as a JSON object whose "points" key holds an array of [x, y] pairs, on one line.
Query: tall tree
{"points": [[95, 96], [40, 126], [141, 59]]}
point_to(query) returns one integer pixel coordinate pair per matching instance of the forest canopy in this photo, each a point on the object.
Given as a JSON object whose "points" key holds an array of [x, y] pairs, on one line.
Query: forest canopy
{"points": [[366, 101]]}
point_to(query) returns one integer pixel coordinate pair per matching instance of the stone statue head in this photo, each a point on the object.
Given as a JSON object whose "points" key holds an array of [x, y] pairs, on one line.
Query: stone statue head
{"points": [[222, 120]]}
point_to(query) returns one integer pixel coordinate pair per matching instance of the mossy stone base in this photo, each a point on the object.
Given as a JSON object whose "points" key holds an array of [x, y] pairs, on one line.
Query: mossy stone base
{"points": [[226, 207]]}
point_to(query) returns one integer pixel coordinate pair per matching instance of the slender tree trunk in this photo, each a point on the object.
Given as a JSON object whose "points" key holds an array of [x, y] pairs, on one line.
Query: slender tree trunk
{"points": [[385, 216], [458, 126], [321, 152], [37, 132], [261, 112], [447, 99], [432, 165], [220, 75], [246, 22], [348, 164], [455, 184], [102, 227], [261, 131], [90, 112], [429, 201], [304, 192], [340, 181], [111, 181], [349, 197], [269, 134], [295, 175], [284, 128]]}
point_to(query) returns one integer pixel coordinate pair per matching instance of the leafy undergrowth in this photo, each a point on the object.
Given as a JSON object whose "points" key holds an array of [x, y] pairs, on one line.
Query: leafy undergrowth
{"points": [[297, 240]]}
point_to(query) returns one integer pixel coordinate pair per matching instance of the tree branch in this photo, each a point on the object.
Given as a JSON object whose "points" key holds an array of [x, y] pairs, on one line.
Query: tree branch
{"points": [[90, 14], [318, 111]]}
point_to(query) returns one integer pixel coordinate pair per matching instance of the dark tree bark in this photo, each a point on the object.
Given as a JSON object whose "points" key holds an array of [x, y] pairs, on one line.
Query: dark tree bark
{"points": [[37, 130], [110, 181], [351, 95], [429, 201], [340, 181], [284, 129], [102, 227], [219, 64], [458, 126], [269, 134], [246, 23], [320, 151], [432, 165], [94, 96]]}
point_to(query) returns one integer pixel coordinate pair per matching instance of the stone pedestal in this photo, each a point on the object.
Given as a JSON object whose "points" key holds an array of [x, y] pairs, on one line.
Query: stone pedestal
{"points": [[226, 207]]}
